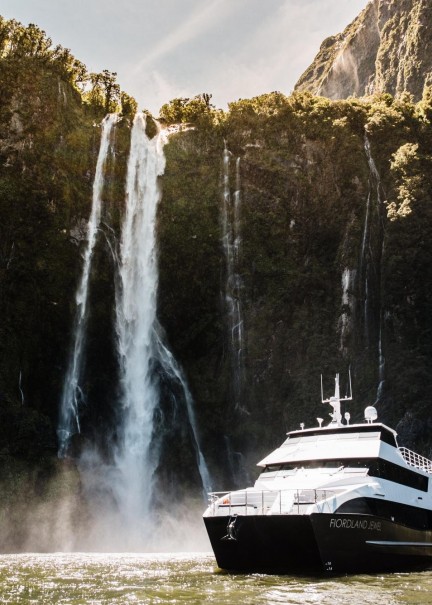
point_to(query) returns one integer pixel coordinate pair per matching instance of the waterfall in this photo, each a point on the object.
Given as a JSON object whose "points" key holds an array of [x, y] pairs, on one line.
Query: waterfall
{"points": [[347, 313], [231, 242], [72, 394], [236, 465], [372, 254], [123, 472], [140, 347], [20, 388], [174, 372]]}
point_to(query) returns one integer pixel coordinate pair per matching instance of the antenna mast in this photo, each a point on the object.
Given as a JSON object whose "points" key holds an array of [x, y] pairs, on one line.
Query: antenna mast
{"points": [[335, 401]]}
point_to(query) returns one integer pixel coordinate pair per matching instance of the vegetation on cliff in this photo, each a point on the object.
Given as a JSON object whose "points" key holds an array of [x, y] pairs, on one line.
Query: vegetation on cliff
{"points": [[334, 259], [50, 108], [305, 186]]}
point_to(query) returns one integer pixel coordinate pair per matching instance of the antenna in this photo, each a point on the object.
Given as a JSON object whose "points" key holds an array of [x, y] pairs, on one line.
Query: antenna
{"points": [[335, 401], [350, 385]]}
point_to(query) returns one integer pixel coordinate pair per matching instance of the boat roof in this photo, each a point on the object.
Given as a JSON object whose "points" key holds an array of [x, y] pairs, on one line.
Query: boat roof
{"points": [[353, 437], [371, 427], [333, 441]]}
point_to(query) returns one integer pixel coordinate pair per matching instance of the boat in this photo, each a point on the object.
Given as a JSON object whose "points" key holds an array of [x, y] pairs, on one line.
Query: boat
{"points": [[336, 498]]}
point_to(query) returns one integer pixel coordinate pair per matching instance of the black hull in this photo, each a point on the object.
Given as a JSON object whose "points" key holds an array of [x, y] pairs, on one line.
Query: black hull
{"points": [[317, 543]]}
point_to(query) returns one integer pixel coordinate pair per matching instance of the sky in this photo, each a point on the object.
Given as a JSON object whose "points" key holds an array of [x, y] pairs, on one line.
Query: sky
{"points": [[163, 49]]}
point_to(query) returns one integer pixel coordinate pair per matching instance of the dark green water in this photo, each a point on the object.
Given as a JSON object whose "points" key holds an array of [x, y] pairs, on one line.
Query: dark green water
{"points": [[187, 578]]}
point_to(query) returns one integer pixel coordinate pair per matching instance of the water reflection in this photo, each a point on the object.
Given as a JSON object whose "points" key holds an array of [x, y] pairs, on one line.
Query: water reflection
{"points": [[190, 578]]}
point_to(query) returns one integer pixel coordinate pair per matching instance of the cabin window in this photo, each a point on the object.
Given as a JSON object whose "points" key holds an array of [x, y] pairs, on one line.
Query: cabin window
{"points": [[377, 467], [393, 472], [411, 516], [312, 464]]}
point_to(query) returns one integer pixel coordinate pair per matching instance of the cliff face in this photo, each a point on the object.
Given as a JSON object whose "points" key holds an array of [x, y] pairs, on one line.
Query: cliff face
{"points": [[386, 49], [333, 262], [49, 140]]}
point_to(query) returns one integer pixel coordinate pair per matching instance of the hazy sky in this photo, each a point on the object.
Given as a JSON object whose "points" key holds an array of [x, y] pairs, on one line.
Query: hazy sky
{"points": [[162, 49]]}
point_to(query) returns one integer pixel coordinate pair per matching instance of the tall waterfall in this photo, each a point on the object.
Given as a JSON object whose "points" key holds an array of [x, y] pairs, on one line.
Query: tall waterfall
{"points": [[72, 394], [231, 241], [370, 264], [140, 346]]}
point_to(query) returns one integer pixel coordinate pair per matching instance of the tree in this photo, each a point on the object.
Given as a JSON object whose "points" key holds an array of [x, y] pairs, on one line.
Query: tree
{"points": [[186, 110], [128, 105], [406, 166], [111, 90], [104, 91]]}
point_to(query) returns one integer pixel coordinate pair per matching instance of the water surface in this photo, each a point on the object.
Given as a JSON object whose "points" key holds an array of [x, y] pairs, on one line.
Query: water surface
{"points": [[191, 578]]}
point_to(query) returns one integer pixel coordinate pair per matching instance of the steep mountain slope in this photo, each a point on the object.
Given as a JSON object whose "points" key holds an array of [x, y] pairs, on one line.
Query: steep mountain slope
{"points": [[334, 262], [388, 48]]}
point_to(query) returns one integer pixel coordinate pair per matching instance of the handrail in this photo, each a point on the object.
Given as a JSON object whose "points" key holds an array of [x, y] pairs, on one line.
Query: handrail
{"points": [[414, 459], [263, 502]]}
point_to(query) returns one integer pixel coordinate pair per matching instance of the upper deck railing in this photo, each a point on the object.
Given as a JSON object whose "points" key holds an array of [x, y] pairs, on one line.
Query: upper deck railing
{"points": [[416, 460], [270, 502]]}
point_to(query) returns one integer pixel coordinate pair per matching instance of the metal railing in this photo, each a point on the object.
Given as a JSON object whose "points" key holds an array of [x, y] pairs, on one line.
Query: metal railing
{"points": [[416, 460], [271, 502]]}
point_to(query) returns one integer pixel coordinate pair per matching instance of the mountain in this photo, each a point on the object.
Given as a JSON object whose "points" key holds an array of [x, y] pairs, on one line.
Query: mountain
{"points": [[309, 220], [387, 48]]}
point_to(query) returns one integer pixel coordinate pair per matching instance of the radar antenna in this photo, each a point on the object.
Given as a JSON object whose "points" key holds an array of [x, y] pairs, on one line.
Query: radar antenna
{"points": [[335, 401]]}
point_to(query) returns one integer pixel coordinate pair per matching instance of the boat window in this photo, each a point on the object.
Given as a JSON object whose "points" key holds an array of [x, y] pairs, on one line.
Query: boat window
{"points": [[388, 437], [337, 463], [405, 514], [271, 468], [377, 467], [393, 472]]}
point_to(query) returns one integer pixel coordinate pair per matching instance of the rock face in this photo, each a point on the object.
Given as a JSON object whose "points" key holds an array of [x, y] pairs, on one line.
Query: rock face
{"points": [[334, 265], [387, 48], [335, 260]]}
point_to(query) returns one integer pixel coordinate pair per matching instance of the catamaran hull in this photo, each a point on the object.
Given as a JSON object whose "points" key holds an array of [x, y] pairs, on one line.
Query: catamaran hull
{"points": [[316, 543]]}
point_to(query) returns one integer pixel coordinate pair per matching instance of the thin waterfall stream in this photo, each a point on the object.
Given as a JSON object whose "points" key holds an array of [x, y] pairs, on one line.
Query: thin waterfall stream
{"points": [[368, 258], [231, 242], [72, 394]]}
